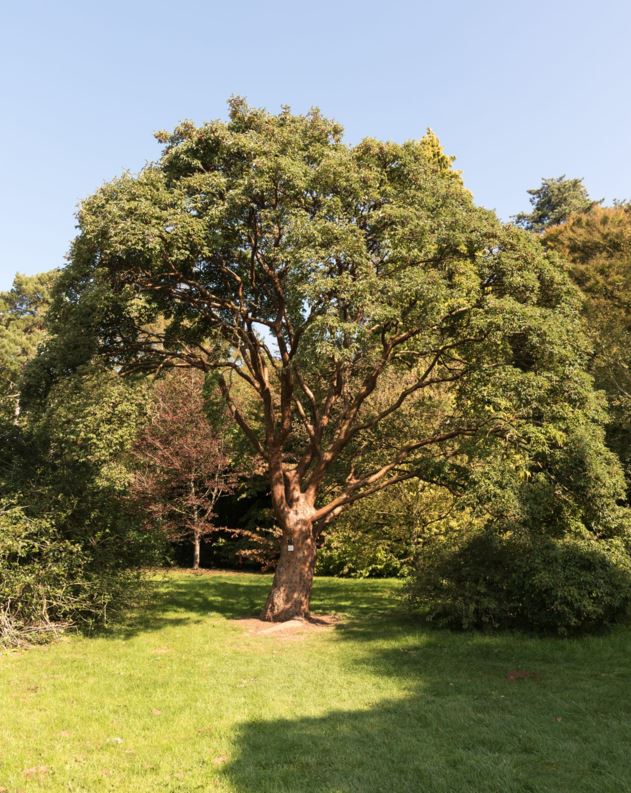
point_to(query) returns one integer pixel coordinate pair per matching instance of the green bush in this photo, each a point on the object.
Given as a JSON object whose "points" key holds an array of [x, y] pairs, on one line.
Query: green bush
{"points": [[377, 536], [489, 580], [49, 582], [71, 542], [355, 552]]}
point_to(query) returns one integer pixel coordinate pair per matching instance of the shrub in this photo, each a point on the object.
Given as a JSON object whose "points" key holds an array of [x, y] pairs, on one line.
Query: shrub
{"points": [[377, 536], [492, 580], [49, 583], [71, 542], [355, 552]]}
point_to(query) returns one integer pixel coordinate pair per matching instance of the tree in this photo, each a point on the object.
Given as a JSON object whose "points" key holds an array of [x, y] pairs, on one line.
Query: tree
{"points": [[71, 543], [598, 246], [22, 312], [380, 535], [182, 462], [553, 202], [383, 326]]}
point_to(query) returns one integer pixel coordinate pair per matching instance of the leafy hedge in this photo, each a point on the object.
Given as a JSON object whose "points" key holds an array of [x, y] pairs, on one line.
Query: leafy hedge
{"points": [[71, 543], [488, 580], [49, 582]]}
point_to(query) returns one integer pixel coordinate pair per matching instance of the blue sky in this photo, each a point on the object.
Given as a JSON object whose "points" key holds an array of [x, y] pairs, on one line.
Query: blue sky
{"points": [[516, 91]]}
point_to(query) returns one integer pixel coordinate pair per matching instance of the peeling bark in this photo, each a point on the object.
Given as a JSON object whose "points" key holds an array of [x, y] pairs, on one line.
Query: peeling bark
{"points": [[290, 595]]}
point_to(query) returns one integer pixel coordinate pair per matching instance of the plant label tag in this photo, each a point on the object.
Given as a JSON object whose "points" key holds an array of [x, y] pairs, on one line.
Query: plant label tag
{"points": [[290, 547]]}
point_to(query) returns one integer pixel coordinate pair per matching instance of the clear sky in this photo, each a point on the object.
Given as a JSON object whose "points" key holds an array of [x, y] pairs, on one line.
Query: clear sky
{"points": [[517, 91]]}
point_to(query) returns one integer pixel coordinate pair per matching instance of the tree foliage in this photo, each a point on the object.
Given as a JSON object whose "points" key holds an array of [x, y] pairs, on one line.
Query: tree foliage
{"points": [[22, 312], [553, 202], [70, 542], [182, 463], [381, 535], [384, 327], [598, 246]]}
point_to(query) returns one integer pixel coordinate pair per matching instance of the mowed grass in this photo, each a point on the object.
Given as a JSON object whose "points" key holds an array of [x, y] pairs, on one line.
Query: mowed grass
{"points": [[183, 699]]}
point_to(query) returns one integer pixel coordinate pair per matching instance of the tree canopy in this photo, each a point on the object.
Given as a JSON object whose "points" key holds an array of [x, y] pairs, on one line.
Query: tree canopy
{"points": [[598, 246], [383, 327], [553, 202], [22, 312]]}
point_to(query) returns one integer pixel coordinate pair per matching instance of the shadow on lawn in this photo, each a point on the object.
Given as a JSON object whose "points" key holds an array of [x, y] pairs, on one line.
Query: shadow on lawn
{"points": [[463, 724], [460, 724], [177, 599]]}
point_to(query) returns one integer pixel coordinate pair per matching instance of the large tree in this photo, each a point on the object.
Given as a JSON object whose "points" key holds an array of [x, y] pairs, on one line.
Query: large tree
{"points": [[598, 246], [553, 202], [381, 324], [22, 312]]}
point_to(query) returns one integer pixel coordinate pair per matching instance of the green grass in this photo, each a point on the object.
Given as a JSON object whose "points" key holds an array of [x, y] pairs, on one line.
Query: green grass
{"points": [[181, 699]]}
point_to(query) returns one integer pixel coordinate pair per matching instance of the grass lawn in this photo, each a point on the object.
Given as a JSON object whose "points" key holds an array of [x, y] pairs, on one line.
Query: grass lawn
{"points": [[184, 699]]}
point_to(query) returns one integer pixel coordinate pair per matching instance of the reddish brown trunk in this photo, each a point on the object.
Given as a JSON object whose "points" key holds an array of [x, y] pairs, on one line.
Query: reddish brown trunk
{"points": [[290, 596]]}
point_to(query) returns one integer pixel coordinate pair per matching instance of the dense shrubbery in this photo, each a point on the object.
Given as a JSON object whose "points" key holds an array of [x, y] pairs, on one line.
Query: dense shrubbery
{"points": [[378, 537], [49, 581], [365, 545], [487, 580], [347, 554], [70, 541], [550, 551]]}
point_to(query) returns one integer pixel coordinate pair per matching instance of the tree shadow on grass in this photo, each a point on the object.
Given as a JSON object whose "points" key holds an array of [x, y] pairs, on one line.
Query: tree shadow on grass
{"points": [[168, 599], [463, 723], [174, 599], [459, 723]]}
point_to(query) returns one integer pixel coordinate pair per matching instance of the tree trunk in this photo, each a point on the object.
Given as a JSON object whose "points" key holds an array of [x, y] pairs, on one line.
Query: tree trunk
{"points": [[291, 591], [196, 550]]}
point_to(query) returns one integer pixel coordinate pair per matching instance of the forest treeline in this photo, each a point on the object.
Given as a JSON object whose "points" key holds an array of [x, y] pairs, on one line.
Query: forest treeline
{"points": [[267, 304]]}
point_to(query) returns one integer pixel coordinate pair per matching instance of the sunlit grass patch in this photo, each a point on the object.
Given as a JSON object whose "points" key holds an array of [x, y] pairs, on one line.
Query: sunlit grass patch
{"points": [[182, 698]]}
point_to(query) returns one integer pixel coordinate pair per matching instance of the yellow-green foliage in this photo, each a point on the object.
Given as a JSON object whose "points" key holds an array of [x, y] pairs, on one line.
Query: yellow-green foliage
{"points": [[22, 314], [69, 539], [597, 245], [381, 535]]}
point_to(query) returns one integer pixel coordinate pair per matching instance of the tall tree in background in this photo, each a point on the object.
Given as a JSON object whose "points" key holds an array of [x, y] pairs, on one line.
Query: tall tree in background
{"points": [[22, 312], [270, 254], [182, 464], [553, 202], [597, 245]]}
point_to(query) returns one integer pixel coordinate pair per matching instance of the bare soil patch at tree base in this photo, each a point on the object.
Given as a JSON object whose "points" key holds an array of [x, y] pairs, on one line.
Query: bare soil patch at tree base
{"points": [[295, 627]]}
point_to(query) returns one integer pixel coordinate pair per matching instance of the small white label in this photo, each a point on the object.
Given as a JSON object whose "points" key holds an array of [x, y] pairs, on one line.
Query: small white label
{"points": [[290, 547]]}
